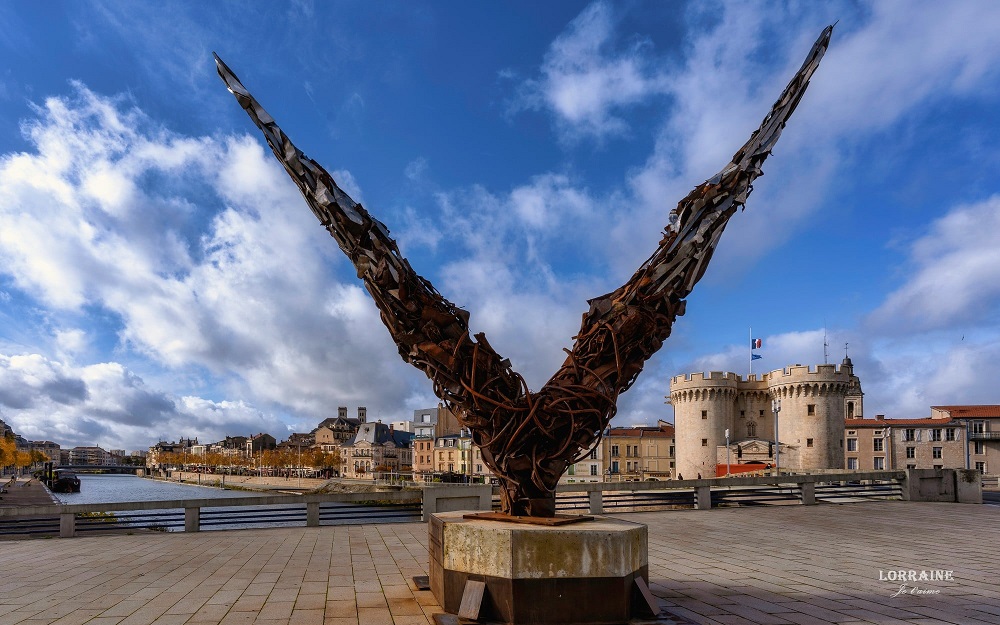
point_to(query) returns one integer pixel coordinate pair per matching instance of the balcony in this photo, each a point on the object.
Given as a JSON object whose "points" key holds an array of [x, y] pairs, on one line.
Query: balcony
{"points": [[984, 436]]}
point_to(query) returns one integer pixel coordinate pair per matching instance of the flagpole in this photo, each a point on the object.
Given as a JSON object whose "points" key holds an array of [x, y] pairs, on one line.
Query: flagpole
{"points": [[751, 350]]}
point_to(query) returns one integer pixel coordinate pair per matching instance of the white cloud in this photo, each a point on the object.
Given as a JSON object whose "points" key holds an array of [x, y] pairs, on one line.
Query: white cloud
{"points": [[251, 297], [107, 404], [954, 274], [585, 81]]}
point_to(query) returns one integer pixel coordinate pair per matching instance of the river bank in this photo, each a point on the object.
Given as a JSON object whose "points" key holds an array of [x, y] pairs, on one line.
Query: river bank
{"points": [[244, 482], [24, 491]]}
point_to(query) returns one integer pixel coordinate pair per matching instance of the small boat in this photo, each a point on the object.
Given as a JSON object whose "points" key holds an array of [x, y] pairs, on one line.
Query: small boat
{"points": [[65, 481]]}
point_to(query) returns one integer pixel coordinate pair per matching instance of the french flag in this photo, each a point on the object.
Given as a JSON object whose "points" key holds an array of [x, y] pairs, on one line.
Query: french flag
{"points": [[756, 343]]}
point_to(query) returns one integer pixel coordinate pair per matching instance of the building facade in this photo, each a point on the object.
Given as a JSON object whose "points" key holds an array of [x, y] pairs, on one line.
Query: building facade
{"points": [[376, 451], [982, 423], [882, 444]]}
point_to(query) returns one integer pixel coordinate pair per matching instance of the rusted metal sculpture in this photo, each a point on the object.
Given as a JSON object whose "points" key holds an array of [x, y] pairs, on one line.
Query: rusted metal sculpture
{"points": [[529, 438]]}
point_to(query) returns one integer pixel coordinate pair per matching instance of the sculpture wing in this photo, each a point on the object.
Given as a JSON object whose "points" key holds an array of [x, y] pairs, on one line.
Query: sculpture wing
{"points": [[430, 332], [624, 328]]}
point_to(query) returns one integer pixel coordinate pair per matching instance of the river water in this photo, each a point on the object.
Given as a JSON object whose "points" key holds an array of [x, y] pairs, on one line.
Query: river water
{"points": [[101, 489], [125, 488]]}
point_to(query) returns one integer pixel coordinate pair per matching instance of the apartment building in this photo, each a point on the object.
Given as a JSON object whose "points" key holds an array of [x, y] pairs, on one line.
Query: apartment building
{"points": [[639, 453], [982, 423], [882, 444]]}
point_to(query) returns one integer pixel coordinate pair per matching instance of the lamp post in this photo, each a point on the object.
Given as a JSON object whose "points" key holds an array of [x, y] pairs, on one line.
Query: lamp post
{"points": [[727, 452], [776, 408]]}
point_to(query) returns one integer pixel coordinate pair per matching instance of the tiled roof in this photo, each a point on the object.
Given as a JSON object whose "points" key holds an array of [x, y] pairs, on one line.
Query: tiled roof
{"points": [[959, 412], [882, 423]]}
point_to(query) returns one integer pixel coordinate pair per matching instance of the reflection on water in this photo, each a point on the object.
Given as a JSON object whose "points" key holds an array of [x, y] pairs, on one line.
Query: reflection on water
{"points": [[125, 488]]}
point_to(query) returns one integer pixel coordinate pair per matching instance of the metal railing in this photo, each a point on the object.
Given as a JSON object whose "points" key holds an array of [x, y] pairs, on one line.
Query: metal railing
{"points": [[984, 436], [408, 505], [207, 514]]}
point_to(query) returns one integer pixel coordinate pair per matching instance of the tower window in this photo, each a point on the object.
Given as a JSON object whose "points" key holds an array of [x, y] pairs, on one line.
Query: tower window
{"points": [[811, 409], [751, 428], [743, 413], [762, 413], [809, 442], [704, 442], [704, 414]]}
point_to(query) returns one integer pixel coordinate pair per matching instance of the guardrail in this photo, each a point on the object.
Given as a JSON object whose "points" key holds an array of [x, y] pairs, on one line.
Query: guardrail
{"points": [[413, 505]]}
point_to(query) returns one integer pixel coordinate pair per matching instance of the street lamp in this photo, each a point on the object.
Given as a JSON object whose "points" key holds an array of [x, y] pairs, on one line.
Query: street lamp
{"points": [[776, 408], [727, 452]]}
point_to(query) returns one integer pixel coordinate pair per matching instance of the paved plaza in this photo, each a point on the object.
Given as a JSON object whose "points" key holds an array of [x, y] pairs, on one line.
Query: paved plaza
{"points": [[772, 565]]}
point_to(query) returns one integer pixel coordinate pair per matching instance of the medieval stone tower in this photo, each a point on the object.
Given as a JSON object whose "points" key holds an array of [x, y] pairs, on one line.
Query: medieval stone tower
{"points": [[814, 403]]}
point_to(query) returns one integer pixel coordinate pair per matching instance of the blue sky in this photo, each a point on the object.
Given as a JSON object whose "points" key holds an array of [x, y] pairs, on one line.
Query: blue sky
{"points": [[161, 277]]}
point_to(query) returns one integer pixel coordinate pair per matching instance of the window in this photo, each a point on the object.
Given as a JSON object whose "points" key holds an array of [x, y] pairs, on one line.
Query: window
{"points": [[879, 463], [704, 414], [614, 451], [671, 451], [949, 434], [936, 435], [479, 468], [628, 451], [877, 433], [938, 466], [751, 428], [425, 418], [978, 427], [761, 413], [979, 447], [911, 466], [704, 442], [811, 409], [909, 434], [851, 432], [852, 444], [572, 469], [809, 442], [852, 464], [981, 467], [850, 410], [593, 453], [743, 413], [911, 452], [878, 444], [614, 467], [936, 452], [593, 469]]}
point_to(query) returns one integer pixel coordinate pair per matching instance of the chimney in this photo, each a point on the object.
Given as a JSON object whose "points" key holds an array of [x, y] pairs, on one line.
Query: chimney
{"points": [[880, 417]]}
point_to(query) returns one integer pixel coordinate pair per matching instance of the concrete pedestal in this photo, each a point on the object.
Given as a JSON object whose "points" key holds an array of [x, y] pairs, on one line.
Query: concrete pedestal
{"points": [[534, 574]]}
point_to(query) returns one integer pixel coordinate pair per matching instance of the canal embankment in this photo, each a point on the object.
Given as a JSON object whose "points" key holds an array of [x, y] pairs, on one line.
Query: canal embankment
{"points": [[24, 491], [244, 482]]}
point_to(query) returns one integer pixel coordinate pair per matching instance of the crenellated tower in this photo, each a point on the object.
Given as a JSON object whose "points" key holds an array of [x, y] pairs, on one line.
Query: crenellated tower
{"points": [[814, 403]]}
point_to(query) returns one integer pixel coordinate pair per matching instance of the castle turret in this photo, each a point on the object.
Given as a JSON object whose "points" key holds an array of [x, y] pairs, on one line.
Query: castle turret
{"points": [[703, 409], [811, 420]]}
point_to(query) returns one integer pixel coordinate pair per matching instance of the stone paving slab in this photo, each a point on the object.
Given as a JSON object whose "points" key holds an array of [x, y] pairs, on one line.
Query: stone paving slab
{"points": [[798, 565]]}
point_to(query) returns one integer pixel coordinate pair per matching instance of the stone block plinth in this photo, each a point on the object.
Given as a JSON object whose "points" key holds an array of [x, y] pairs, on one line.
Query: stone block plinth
{"points": [[579, 573]]}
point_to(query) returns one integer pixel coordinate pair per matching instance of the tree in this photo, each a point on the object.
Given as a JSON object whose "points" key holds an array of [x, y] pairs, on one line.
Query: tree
{"points": [[8, 450]]}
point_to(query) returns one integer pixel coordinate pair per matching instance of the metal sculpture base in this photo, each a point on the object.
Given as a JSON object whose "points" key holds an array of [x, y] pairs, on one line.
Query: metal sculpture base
{"points": [[582, 573]]}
